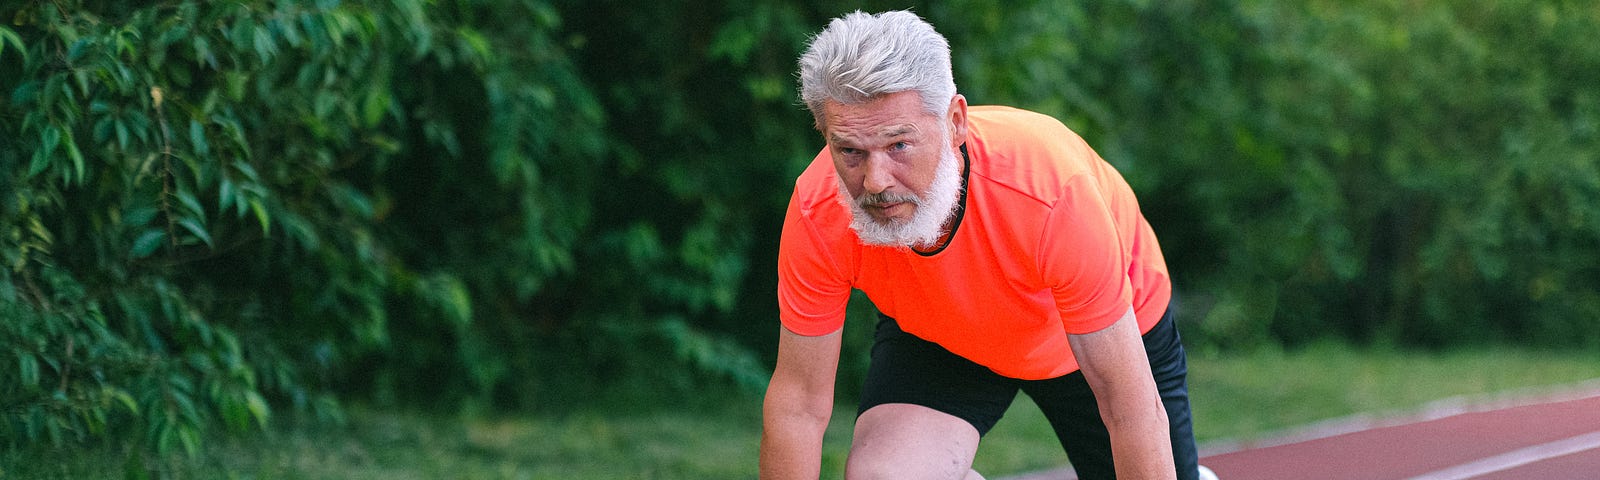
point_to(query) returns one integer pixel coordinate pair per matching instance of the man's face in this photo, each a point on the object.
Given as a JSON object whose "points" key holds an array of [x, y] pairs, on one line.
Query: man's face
{"points": [[897, 165]]}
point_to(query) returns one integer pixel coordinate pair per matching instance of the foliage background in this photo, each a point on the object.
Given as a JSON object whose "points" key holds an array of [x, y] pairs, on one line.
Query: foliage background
{"points": [[210, 212]]}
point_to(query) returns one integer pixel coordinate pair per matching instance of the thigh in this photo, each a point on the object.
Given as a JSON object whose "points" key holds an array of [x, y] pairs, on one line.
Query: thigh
{"points": [[923, 409], [901, 440], [906, 369]]}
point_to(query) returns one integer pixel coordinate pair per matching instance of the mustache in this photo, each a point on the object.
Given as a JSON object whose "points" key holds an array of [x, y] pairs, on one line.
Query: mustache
{"points": [[888, 197]]}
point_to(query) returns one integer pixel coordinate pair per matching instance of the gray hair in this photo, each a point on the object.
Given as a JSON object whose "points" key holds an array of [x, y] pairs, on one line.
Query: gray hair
{"points": [[861, 56]]}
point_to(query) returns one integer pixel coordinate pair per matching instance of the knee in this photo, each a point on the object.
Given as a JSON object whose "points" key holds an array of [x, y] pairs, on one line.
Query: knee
{"points": [[864, 464], [862, 470], [869, 466]]}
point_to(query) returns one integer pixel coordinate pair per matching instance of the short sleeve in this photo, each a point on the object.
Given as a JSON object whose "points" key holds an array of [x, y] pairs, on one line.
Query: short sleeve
{"points": [[1084, 260], [813, 291]]}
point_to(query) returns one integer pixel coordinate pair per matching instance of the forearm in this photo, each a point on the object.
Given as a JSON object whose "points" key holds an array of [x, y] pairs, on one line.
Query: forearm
{"points": [[791, 438], [799, 402], [1141, 442]]}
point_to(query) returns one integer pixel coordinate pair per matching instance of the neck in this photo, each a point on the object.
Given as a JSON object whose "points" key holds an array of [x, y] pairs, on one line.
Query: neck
{"points": [[949, 225]]}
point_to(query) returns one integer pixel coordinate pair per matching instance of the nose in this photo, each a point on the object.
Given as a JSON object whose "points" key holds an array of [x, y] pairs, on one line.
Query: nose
{"points": [[879, 174]]}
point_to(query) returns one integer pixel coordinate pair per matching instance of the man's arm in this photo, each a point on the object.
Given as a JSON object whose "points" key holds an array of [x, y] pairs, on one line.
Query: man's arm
{"points": [[1114, 362], [798, 405]]}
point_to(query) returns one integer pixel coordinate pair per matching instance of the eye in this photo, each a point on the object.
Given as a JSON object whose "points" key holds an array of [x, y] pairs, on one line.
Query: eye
{"points": [[850, 157], [899, 146]]}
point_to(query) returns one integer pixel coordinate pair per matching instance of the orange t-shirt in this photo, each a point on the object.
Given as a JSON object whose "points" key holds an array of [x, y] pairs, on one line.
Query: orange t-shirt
{"points": [[1050, 243]]}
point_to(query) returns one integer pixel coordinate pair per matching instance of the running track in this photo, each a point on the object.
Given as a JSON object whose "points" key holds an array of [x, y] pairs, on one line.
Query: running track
{"points": [[1550, 436]]}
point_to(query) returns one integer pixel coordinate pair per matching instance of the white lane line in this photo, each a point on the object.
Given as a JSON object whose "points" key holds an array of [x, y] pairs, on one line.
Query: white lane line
{"points": [[1516, 458]]}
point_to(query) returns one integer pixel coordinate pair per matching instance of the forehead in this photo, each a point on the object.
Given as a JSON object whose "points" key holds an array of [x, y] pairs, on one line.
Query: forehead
{"points": [[898, 114]]}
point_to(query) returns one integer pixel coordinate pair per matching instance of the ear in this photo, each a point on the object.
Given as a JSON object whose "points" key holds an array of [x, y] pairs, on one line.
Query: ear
{"points": [[958, 120]]}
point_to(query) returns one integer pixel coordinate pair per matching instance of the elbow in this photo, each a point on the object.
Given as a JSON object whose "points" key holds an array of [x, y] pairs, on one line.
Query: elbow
{"points": [[798, 403]]}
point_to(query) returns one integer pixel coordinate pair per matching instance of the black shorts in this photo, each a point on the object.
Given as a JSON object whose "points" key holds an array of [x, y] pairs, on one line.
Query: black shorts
{"points": [[908, 369]]}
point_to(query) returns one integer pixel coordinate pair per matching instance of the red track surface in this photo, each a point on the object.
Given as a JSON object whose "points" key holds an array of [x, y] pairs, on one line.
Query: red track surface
{"points": [[1497, 441], [1554, 438]]}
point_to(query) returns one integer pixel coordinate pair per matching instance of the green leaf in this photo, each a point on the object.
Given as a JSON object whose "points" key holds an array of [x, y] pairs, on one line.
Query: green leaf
{"points": [[125, 45], [40, 162], [236, 133], [49, 139], [202, 52], [187, 408], [165, 435], [235, 81], [261, 216], [476, 44], [300, 229], [102, 129], [28, 368], [191, 204], [78, 49], [190, 436], [78, 166], [197, 138], [122, 397], [82, 78], [452, 298], [147, 243], [264, 47], [139, 215], [8, 36], [225, 196], [384, 143], [353, 200], [258, 407], [248, 170], [36, 227], [198, 231], [372, 109], [122, 134], [290, 33]]}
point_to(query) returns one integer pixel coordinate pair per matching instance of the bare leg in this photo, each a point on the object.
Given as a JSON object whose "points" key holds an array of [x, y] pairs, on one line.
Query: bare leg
{"points": [[898, 440]]}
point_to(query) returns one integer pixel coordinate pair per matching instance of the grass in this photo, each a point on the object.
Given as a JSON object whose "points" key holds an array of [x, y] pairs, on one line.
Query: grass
{"points": [[378, 444], [1235, 396]]}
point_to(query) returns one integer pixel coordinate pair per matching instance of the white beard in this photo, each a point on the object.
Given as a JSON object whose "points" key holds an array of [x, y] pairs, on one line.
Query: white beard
{"points": [[933, 208]]}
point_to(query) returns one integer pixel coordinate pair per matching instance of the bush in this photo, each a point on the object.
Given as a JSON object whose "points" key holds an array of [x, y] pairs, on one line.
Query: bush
{"points": [[215, 208]]}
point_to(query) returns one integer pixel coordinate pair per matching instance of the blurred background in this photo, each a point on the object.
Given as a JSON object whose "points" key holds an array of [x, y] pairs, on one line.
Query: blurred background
{"points": [[270, 220]]}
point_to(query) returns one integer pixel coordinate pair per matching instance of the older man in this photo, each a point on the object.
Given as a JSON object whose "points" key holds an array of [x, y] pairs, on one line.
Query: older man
{"points": [[1003, 254]]}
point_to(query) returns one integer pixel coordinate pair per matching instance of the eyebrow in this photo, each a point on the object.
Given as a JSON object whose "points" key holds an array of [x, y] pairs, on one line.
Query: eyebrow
{"points": [[888, 132], [899, 130]]}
